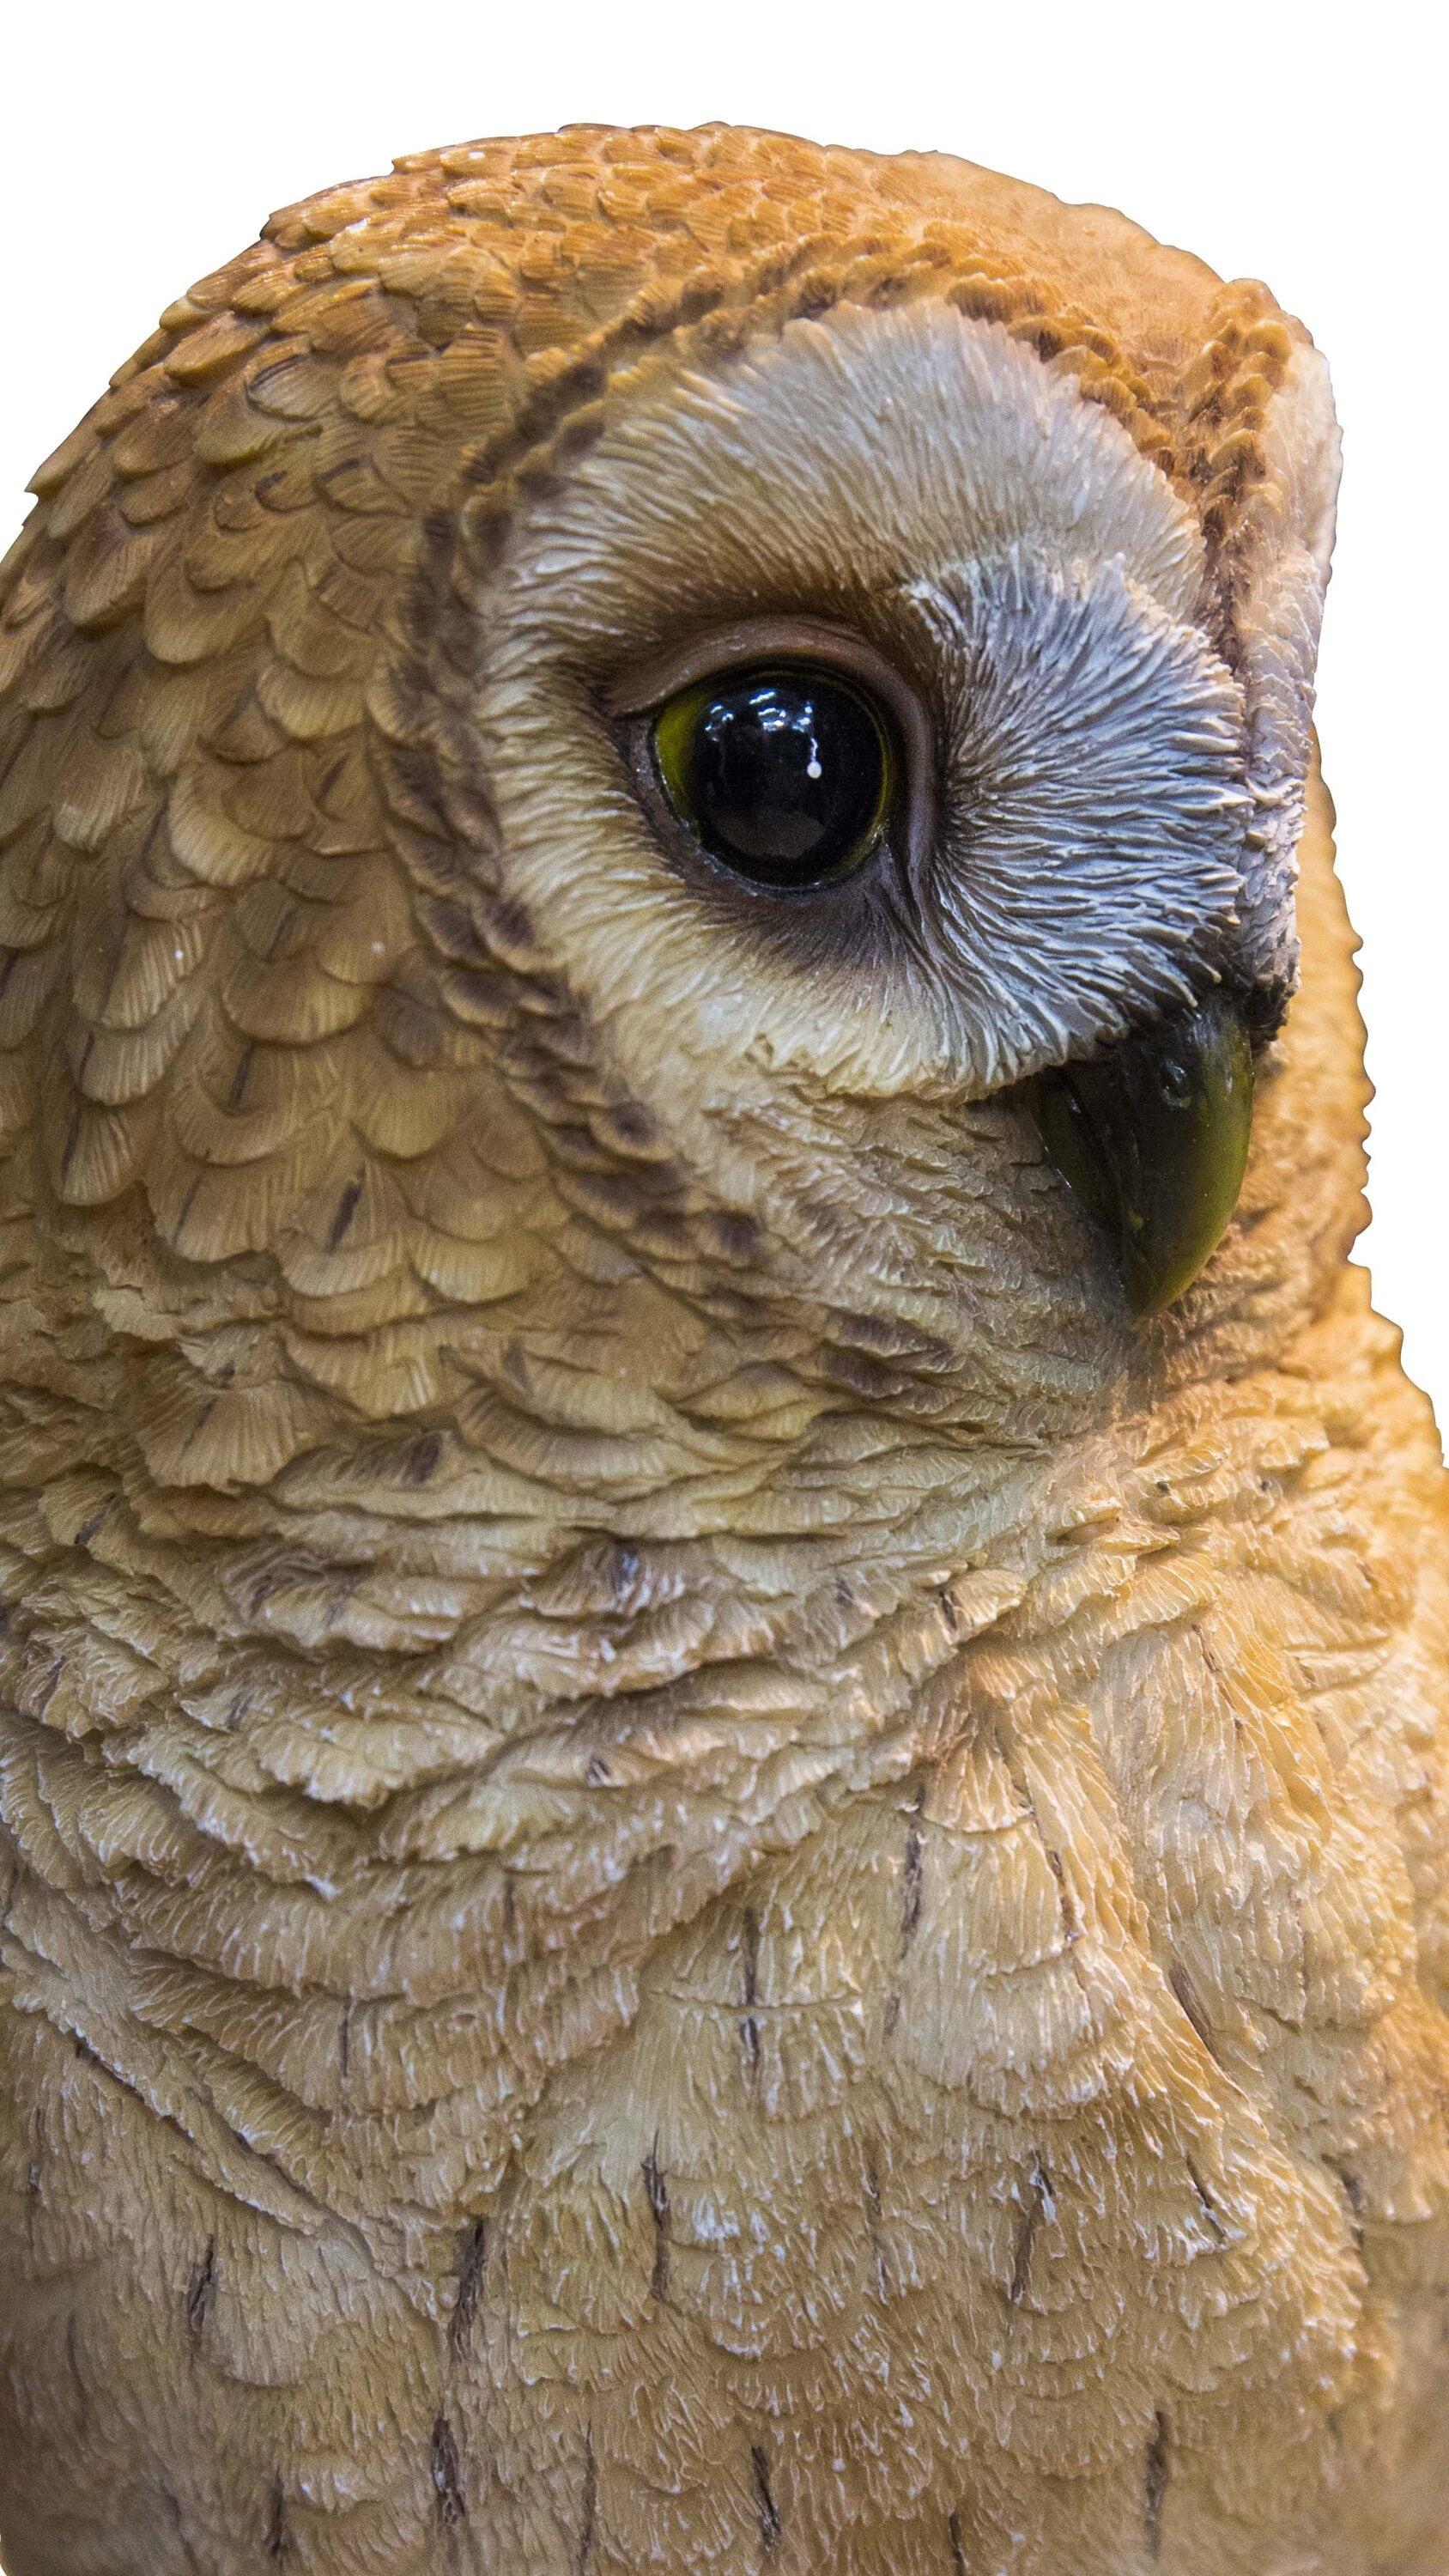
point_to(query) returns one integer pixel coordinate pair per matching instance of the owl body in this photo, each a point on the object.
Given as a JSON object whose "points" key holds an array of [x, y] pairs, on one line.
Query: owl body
{"points": [[704, 1868]]}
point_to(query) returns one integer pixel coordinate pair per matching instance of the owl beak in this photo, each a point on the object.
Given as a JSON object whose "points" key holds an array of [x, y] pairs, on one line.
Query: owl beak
{"points": [[1152, 1138]]}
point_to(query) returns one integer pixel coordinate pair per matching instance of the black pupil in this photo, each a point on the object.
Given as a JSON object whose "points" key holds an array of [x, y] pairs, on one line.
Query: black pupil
{"points": [[784, 774]]}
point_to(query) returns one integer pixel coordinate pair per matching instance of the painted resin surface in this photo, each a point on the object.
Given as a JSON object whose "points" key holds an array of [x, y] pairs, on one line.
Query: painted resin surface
{"points": [[704, 1867]]}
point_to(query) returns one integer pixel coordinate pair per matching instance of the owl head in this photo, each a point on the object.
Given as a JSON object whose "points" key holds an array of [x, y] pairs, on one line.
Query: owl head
{"points": [[651, 785]]}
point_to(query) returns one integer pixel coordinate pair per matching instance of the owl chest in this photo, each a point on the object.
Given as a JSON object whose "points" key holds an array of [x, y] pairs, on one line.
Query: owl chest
{"points": [[1034, 2161]]}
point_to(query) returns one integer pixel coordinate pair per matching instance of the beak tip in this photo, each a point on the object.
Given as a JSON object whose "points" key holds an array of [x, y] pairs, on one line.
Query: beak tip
{"points": [[1152, 1139]]}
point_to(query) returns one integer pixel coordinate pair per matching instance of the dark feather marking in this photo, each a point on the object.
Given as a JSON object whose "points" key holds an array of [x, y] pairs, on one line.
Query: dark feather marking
{"points": [[279, 2538], [344, 1212], [472, 2267], [958, 2549], [658, 2191], [872, 2197], [766, 2508], [1354, 2195], [589, 2509], [200, 2292], [735, 1234], [1352, 2189], [911, 1907], [1209, 2205], [1154, 2488], [422, 1458], [1071, 1928], [1039, 2206], [749, 2027], [446, 2471], [1182, 1986], [751, 1957], [199, 1425]]}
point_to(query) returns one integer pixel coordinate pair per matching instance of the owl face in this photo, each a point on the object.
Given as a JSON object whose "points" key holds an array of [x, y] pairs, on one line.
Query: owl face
{"points": [[851, 712]]}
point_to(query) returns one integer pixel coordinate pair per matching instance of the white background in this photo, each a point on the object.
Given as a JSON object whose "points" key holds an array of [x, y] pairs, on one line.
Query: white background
{"points": [[145, 142]]}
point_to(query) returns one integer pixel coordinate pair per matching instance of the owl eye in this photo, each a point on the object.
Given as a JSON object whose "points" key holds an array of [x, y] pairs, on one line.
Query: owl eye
{"points": [[784, 773]]}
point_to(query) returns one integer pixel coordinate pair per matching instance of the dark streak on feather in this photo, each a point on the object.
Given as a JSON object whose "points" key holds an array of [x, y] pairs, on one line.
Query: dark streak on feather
{"points": [[658, 2191], [1352, 2189], [1209, 2205], [200, 2292], [1154, 2488], [749, 2027], [589, 2511], [751, 1922], [344, 1212], [422, 1459], [472, 2268], [446, 2472], [766, 2508], [1353, 2193], [1182, 1986], [279, 2539], [911, 1907], [872, 2198], [1039, 2206]]}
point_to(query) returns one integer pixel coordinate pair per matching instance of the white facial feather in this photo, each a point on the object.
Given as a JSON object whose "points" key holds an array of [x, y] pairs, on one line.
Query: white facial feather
{"points": [[1091, 839]]}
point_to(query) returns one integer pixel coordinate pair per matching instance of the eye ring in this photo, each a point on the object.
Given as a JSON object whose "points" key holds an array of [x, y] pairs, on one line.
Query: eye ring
{"points": [[859, 693]]}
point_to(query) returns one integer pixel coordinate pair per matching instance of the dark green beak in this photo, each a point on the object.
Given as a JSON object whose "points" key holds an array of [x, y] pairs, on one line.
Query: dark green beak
{"points": [[1153, 1139]]}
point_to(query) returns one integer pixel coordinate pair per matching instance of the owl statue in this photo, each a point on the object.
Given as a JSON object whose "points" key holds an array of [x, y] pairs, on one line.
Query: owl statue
{"points": [[724, 1672]]}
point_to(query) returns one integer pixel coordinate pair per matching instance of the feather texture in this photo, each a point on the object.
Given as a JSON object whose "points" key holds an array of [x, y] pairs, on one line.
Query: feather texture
{"points": [[698, 1872]]}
